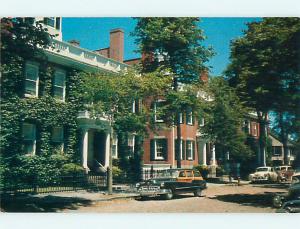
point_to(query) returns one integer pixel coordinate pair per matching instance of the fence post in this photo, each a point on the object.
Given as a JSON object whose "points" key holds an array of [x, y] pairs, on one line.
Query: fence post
{"points": [[35, 185], [151, 171]]}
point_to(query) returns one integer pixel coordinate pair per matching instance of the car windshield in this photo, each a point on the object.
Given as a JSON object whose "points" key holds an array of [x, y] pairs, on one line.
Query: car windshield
{"points": [[261, 169], [168, 173]]}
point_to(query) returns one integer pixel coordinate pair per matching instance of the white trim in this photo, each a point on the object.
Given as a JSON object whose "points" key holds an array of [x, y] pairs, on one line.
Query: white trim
{"points": [[155, 151], [189, 157], [155, 110], [190, 121], [202, 122], [159, 137]]}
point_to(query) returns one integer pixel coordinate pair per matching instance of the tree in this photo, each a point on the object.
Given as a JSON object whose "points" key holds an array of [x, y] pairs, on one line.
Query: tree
{"points": [[173, 45], [265, 69], [111, 96], [224, 118]]}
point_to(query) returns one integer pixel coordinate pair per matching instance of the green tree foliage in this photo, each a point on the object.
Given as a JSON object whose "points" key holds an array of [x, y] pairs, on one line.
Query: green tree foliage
{"points": [[224, 117], [265, 69], [111, 96], [174, 46]]}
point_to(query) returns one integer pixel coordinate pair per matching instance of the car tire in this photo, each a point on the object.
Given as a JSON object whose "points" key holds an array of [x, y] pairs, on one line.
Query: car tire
{"points": [[198, 193], [169, 196], [277, 201]]}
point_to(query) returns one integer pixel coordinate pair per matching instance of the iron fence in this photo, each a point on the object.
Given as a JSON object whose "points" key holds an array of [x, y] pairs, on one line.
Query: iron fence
{"points": [[61, 184]]}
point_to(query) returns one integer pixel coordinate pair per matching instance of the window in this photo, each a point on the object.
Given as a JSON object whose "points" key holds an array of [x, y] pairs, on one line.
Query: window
{"points": [[181, 174], [202, 122], [180, 118], [115, 147], [277, 150], [189, 173], [130, 142], [189, 150], [59, 87], [50, 21], [31, 79], [158, 149], [57, 23], [157, 111], [197, 174], [189, 117], [254, 129], [29, 138], [58, 138]]}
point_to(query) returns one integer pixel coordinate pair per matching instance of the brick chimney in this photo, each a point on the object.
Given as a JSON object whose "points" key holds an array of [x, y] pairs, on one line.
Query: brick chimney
{"points": [[116, 48]]}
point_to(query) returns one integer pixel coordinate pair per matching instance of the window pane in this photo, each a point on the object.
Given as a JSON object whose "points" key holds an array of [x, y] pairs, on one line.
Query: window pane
{"points": [[57, 134], [28, 131], [30, 87], [159, 149], [59, 79], [31, 72], [29, 147], [59, 92]]}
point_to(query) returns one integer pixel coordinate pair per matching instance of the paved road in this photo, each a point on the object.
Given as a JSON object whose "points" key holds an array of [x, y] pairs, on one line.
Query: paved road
{"points": [[216, 199]]}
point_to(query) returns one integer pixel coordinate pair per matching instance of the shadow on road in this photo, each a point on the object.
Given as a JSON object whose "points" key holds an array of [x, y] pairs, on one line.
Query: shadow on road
{"points": [[270, 185], [262, 200], [161, 198], [42, 204]]}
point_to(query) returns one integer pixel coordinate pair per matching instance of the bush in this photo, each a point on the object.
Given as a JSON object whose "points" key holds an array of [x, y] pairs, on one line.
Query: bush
{"points": [[203, 169], [220, 171], [72, 169]]}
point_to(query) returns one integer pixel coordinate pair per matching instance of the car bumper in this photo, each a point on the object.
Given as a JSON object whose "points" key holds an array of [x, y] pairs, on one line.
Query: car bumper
{"points": [[145, 192], [259, 179]]}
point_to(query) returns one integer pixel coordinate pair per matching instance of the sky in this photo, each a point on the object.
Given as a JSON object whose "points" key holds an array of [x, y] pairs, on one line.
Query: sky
{"points": [[93, 33]]}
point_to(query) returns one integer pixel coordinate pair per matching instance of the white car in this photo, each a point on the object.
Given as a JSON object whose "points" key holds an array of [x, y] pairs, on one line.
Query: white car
{"points": [[264, 174]]}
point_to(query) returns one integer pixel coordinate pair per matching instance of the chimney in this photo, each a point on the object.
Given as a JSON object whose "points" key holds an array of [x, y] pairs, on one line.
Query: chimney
{"points": [[116, 48], [74, 42]]}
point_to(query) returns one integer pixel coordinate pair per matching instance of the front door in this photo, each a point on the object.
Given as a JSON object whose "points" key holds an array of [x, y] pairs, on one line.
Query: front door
{"points": [[99, 147]]}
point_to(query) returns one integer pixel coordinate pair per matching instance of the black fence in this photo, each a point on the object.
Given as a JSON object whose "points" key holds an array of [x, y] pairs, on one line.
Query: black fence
{"points": [[132, 178], [61, 184]]}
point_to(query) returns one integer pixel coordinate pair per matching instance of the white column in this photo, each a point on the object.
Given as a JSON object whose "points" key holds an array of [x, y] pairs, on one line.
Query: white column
{"points": [[213, 156], [204, 154], [85, 143], [107, 150]]}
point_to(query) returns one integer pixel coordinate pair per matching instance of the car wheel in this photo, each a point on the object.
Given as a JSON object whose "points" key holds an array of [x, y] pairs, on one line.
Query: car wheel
{"points": [[277, 201], [169, 195], [197, 193]]}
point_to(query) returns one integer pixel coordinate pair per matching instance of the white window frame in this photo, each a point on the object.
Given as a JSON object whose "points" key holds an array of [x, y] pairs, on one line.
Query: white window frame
{"points": [[36, 66], [156, 157], [33, 139], [155, 111], [180, 118], [60, 71], [181, 149], [52, 19], [59, 141], [115, 144], [202, 122], [254, 129], [131, 141], [133, 106], [189, 157], [189, 121]]}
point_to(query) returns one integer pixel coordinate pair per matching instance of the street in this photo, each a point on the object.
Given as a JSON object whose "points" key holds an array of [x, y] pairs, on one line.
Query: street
{"points": [[217, 198]]}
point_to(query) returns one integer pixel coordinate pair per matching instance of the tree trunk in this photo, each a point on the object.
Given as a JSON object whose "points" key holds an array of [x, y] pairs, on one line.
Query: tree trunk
{"points": [[262, 119], [284, 139], [110, 174], [178, 129]]}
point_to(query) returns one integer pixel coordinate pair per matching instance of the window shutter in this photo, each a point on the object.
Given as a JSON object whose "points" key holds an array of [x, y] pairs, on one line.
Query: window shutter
{"points": [[194, 150], [152, 111], [176, 149], [165, 149], [193, 118], [183, 149], [152, 150]]}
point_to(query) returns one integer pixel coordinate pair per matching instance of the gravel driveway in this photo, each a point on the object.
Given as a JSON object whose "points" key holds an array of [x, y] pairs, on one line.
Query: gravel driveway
{"points": [[217, 198]]}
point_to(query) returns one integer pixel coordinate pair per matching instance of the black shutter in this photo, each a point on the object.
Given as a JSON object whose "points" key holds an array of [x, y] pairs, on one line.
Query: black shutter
{"points": [[165, 148], [194, 150], [193, 118], [152, 150], [176, 149], [183, 149], [152, 112]]}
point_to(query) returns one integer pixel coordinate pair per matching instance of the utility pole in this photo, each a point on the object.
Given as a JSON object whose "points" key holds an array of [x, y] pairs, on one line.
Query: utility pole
{"points": [[110, 165]]}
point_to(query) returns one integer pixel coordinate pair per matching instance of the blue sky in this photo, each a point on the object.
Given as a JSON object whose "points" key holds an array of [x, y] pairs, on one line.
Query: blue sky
{"points": [[93, 33]]}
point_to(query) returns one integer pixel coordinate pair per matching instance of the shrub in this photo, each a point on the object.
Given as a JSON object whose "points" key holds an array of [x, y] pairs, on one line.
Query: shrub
{"points": [[72, 169]]}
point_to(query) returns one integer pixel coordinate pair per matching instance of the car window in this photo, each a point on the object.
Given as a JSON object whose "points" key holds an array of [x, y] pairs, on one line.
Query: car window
{"points": [[181, 174], [290, 168], [197, 174], [262, 169], [189, 173]]}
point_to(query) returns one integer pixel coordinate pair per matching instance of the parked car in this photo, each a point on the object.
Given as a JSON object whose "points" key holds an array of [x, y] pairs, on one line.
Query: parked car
{"points": [[296, 176], [172, 181], [284, 172], [289, 199], [264, 174]]}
